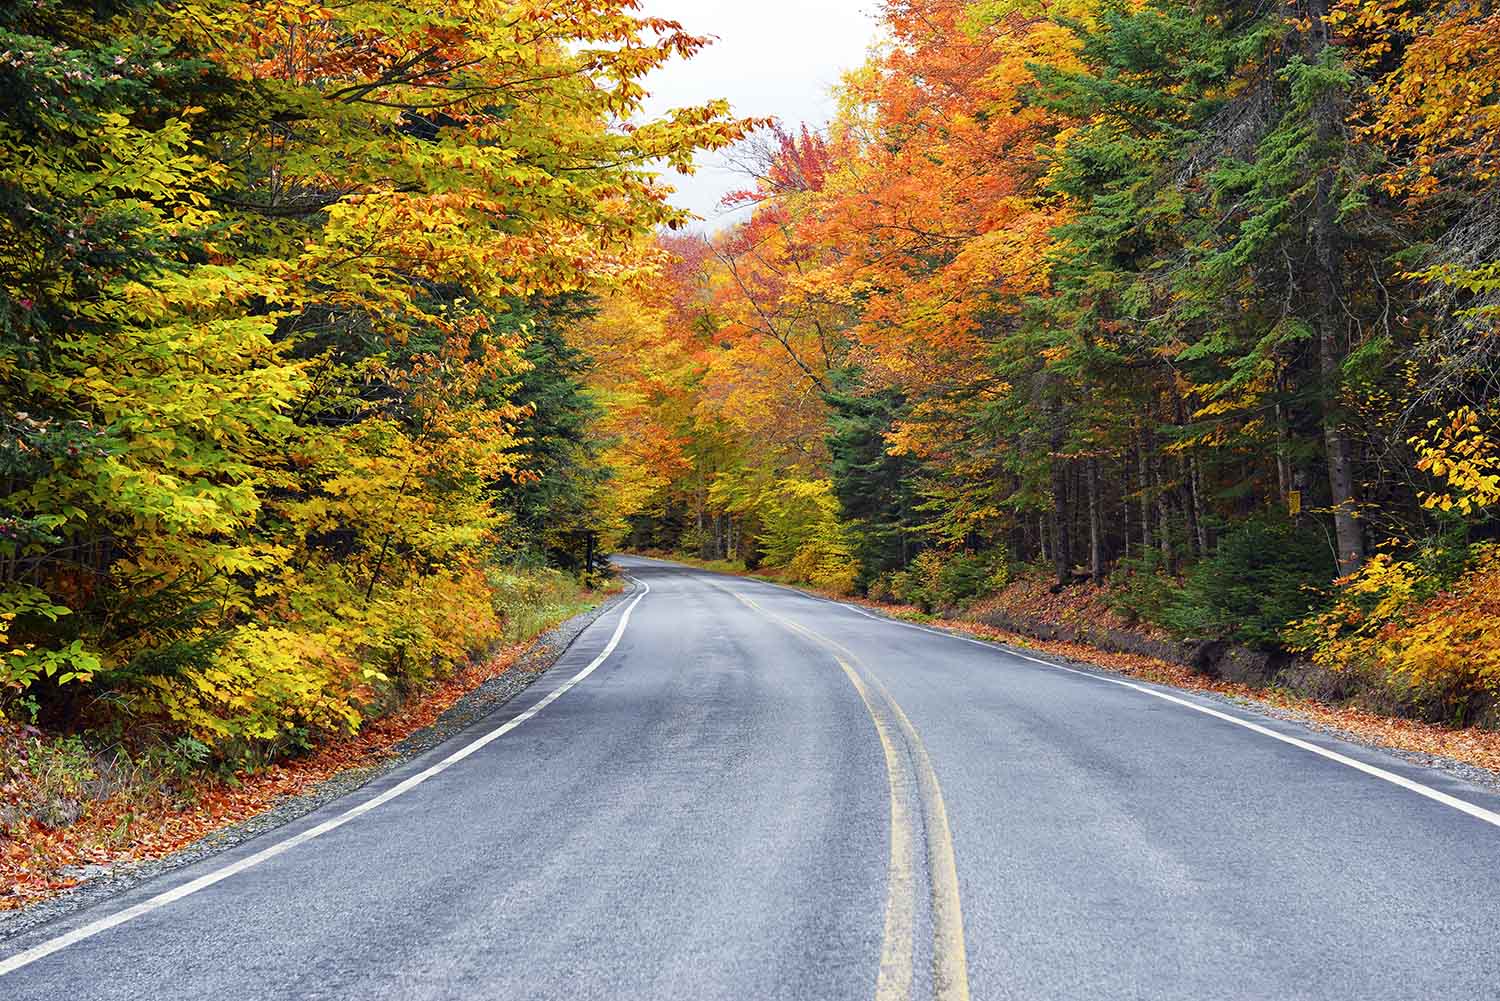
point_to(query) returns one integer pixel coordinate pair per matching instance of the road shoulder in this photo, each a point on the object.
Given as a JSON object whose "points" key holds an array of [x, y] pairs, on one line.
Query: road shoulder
{"points": [[102, 884]]}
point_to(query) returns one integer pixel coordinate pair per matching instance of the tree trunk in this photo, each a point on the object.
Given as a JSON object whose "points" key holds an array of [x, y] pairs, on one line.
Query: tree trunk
{"points": [[1347, 530], [1187, 482], [1283, 444], [1062, 543], [1328, 248], [1062, 516], [1163, 514], [1144, 470], [1056, 422], [1096, 525], [1200, 524], [702, 503]]}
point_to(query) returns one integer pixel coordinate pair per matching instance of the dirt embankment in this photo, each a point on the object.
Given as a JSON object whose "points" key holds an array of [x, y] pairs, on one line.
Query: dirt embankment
{"points": [[1085, 615]]}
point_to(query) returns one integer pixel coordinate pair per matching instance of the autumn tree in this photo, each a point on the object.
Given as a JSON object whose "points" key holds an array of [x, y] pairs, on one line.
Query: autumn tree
{"points": [[1129, 289], [281, 299]]}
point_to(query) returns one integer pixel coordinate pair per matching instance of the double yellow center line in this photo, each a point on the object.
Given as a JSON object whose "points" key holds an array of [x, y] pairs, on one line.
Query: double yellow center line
{"points": [[907, 766]]}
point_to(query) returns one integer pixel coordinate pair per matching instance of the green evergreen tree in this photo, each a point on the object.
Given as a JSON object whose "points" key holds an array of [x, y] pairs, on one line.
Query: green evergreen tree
{"points": [[875, 489]]}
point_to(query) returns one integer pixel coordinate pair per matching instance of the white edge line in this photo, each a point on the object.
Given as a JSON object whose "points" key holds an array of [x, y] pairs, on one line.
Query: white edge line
{"points": [[47, 948], [1436, 795]]}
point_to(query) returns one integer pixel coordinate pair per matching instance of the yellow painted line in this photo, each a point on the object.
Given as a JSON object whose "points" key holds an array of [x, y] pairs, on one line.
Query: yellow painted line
{"points": [[895, 978], [950, 965], [950, 958], [894, 982]]}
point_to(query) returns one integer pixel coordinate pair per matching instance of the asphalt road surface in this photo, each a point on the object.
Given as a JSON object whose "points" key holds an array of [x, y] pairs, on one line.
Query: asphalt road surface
{"points": [[730, 790]]}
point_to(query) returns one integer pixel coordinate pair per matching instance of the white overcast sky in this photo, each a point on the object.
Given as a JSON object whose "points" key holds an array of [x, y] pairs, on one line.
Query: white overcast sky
{"points": [[778, 58]]}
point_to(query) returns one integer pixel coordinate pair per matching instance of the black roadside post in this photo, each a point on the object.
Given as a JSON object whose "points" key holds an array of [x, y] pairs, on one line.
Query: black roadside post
{"points": [[588, 559]]}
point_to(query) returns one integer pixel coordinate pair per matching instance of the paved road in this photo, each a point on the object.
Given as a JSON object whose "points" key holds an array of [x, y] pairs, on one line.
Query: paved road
{"points": [[760, 795]]}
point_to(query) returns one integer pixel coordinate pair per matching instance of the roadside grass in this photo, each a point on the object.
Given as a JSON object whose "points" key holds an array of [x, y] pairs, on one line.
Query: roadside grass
{"points": [[70, 802], [535, 603]]}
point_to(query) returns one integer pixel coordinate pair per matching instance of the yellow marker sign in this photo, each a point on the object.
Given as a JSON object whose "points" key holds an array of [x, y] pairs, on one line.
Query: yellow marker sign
{"points": [[1294, 502]]}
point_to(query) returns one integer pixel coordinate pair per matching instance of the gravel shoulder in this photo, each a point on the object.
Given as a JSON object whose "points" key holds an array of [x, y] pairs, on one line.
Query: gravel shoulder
{"points": [[98, 883]]}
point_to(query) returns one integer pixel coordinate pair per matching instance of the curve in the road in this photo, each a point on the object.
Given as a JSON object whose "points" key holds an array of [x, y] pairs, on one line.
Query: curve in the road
{"points": [[711, 814], [1421, 789]]}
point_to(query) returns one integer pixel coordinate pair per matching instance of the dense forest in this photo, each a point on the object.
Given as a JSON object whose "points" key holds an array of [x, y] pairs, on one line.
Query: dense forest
{"points": [[327, 329], [293, 422], [1191, 305]]}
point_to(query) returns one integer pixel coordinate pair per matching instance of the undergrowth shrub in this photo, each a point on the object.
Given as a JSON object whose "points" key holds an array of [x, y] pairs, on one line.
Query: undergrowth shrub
{"points": [[1265, 574], [530, 601], [55, 780], [45, 780], [918, 583], [805, 538], [268, 689], [825, 563], [942, 579], [1140, 590], [324, 666], [270, 685], [966, 577], [1427, 627]]}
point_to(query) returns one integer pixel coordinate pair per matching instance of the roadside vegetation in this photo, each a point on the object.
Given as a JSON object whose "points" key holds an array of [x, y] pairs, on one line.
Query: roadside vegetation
{"points": [[1186, 315], [75, 804]]}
